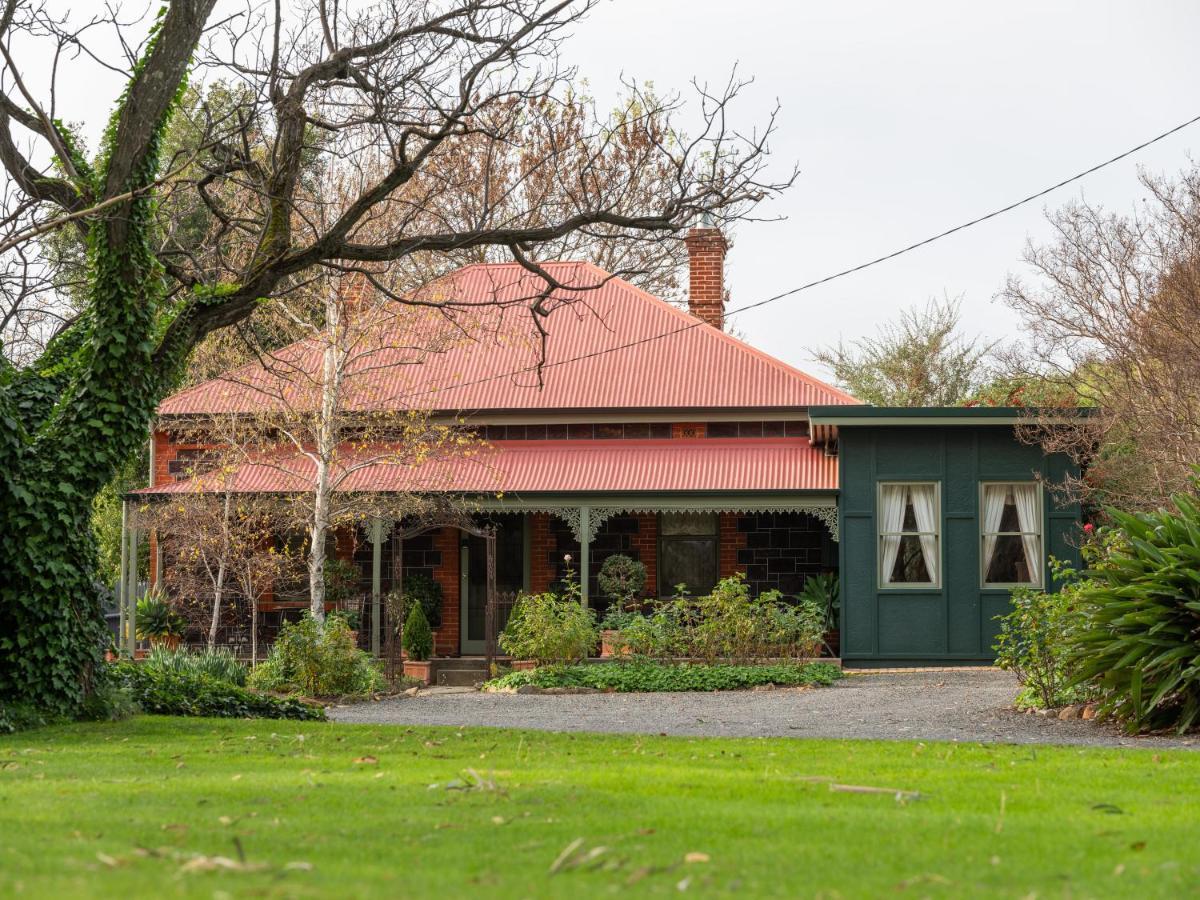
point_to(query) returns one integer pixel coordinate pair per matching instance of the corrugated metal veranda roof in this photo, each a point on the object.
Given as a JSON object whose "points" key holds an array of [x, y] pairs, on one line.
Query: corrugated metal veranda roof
{"points": [[633, 466]]}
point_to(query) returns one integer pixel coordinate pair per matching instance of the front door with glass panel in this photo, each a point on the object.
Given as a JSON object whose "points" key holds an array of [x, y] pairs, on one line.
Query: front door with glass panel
{"points": [[510, 578]]}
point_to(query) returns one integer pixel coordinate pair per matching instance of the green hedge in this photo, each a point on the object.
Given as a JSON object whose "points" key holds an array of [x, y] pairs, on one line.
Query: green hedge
{"points": [[172, 693], [648, 676]]}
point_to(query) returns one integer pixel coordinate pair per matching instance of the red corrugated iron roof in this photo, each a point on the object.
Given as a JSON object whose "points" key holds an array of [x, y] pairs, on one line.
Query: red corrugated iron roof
{"points": [[611, 346], [727, 465]]}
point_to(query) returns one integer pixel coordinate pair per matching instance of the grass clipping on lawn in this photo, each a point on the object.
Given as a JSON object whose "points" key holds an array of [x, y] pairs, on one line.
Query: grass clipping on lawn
{"points": [[638, 676], [202, 808]]}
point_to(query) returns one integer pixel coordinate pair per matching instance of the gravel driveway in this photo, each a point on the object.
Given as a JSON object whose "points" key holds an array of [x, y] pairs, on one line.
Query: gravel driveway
{"points": [[941, 706]]}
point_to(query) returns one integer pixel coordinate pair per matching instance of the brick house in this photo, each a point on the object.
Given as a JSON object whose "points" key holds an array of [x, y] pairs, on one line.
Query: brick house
{"points": [[654, 434]]}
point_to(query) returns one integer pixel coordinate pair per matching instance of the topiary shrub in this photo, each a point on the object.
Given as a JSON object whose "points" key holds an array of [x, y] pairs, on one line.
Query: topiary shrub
{"points": [[1138, 641], [622, 579], [420, 588], [418, 637], [319, 660]]}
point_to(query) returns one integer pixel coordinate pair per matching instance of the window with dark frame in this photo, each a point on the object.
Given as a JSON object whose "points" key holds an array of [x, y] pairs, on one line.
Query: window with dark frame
{"points": [[688, 552]]}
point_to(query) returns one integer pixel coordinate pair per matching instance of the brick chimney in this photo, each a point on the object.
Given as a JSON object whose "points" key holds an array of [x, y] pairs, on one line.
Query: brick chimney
{"points": [[706, 275]]}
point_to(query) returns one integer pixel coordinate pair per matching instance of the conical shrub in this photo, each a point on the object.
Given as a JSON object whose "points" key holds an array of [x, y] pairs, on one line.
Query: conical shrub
{"points": [[418, 638]]}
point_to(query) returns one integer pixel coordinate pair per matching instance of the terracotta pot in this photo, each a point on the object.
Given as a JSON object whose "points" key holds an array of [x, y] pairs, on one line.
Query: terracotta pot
{"points": [[166, 641], [523, 665], [422, 669], [607, 638]]}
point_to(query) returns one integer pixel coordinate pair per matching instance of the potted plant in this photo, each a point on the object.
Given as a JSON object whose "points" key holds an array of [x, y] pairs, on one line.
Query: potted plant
{"points": [[622, 579], [418, 645], [612, 625], [825, 591], [157, 621]]}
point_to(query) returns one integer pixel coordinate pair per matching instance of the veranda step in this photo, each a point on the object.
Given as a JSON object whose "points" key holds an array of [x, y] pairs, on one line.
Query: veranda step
{"points": [[461, 676]]}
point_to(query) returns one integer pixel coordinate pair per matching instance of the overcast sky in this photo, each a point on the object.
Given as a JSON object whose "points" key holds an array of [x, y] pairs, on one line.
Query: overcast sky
{"points": [[905, 119], [908, 118]]}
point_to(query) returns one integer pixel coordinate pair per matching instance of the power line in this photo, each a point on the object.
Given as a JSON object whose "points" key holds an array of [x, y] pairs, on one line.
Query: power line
{"points": [[840, 274]]}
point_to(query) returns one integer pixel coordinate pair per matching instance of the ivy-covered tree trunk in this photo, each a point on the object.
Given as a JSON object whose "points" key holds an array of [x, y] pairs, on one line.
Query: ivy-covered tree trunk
{"points": [[73, 418]]}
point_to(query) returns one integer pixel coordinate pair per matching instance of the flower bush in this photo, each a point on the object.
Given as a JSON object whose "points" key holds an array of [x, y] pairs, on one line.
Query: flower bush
{"points": [[319, 660], [726, 624], [1035, 643], [549, 628]]}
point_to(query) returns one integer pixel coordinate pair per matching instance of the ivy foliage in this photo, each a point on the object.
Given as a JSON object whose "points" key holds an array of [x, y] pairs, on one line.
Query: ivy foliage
{"points": [[70, 421]]}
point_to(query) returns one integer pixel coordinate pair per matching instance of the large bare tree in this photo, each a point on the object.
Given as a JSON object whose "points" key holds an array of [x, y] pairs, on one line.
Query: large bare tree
{"points": [[387, 89], [1114, 323]]}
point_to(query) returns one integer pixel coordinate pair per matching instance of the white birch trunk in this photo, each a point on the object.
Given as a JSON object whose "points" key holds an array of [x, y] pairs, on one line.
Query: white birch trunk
{"points": [[324, 451], [219, 580]]}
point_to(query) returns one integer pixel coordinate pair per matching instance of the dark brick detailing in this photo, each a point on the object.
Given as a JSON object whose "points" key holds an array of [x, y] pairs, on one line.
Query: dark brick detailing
{"points": [[777, 551]]}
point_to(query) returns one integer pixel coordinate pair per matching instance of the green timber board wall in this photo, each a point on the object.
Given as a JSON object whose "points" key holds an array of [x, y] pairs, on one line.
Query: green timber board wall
{"points": [[956, 622]]}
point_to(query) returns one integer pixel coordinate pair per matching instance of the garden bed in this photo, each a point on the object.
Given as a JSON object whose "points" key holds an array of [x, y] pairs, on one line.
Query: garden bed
{"points": [[652, 677]]}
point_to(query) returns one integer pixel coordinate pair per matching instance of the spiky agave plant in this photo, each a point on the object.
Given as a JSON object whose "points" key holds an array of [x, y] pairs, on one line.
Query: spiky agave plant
{"points": [[1139, 638]]}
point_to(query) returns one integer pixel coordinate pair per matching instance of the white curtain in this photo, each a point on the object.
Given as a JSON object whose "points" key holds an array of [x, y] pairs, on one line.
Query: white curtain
{"points": [[891, 519], [924, 501], [994, 496], [1026, 497]]}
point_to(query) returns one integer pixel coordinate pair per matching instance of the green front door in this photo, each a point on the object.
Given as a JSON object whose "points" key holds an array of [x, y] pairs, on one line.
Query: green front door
{"points": [[510, 578]]}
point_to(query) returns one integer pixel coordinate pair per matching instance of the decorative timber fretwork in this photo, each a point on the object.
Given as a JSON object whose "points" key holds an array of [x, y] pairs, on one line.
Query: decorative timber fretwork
{"points": [[598, 514]]}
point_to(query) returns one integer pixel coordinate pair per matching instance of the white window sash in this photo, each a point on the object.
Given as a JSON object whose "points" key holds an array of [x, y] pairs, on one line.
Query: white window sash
{"points": [[893, 500], [1027, 498]]}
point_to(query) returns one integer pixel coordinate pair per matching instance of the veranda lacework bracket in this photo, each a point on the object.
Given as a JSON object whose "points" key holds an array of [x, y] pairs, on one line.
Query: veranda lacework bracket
{"points": [[826, 513]]}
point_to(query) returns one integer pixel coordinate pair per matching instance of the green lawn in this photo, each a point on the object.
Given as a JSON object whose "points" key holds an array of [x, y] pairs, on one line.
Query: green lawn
{"points": [[165, 807]]}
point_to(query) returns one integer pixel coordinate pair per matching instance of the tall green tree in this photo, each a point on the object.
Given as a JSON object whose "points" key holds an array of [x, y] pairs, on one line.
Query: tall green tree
{"points": [[389, 92], [919, 360]]}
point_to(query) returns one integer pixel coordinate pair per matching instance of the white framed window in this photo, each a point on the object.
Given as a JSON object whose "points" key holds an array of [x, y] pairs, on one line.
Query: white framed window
{"points": [[910, 534], [1010, 523]]}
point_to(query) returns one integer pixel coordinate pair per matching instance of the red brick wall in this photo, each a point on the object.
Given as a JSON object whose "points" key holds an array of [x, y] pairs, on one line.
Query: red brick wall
{"points": [[167, 451], [542, 545], [730, 540], [446, 638], [646, 544]]}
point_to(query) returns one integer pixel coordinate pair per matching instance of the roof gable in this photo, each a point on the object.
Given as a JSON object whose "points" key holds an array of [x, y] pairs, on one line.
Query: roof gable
{"points": [[610, 346]]}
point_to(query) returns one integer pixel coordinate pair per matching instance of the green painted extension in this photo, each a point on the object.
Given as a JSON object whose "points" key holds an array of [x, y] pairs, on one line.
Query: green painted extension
{"points": [[952, 620], [146, 807]]}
